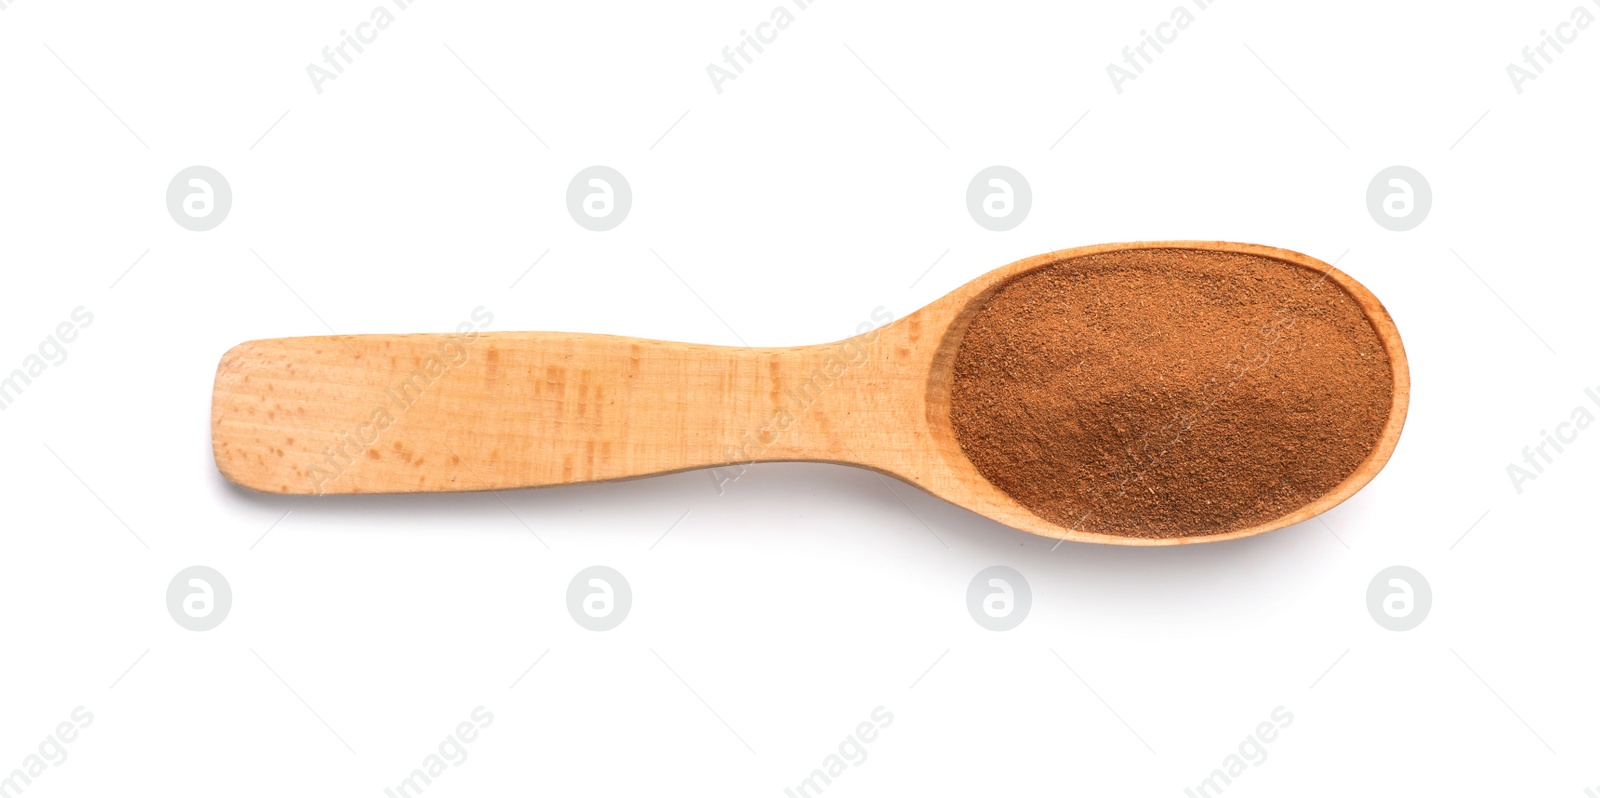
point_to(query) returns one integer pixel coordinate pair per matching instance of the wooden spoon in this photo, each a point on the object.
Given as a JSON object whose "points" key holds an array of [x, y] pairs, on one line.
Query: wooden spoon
{"points": [[492, 411]]}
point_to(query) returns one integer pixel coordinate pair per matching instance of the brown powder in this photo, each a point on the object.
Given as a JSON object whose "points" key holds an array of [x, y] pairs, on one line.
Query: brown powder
{"points": [[1168, 392]]}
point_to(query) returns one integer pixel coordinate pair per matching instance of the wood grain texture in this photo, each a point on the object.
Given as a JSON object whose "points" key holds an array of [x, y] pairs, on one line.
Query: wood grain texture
{"points": [[482, 411]]}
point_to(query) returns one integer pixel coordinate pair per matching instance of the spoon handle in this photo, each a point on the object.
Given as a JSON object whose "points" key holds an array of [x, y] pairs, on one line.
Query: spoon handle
{"points": [[423, 413]]}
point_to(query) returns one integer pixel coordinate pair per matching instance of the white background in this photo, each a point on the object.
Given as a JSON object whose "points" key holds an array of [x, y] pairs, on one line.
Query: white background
{"points": [[775, 617]]}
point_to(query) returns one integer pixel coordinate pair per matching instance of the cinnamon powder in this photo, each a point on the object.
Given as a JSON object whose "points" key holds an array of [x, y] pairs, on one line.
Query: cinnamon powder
{"points": [[1168, 392]]}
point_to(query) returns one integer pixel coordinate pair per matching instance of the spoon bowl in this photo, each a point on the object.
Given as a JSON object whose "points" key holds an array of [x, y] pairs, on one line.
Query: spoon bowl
{"points": [[478, 410]]}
